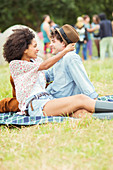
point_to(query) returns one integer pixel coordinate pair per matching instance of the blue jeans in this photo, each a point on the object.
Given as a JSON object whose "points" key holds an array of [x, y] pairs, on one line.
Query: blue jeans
{"points": [[84, 46]]}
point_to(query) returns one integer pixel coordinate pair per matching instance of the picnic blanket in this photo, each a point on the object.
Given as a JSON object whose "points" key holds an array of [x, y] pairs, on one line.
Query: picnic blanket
{"points": [[14, 119]]}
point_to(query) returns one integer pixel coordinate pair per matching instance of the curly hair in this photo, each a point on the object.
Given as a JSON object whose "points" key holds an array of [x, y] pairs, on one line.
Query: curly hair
{"points": [[17, 43]]}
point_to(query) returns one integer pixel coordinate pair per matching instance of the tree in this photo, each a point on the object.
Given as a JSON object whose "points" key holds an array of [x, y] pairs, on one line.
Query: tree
{"points": [[30, 12]]}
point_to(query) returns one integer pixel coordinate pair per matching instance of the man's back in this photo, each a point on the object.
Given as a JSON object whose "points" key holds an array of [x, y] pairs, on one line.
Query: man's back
{"points": [[105, 28]]}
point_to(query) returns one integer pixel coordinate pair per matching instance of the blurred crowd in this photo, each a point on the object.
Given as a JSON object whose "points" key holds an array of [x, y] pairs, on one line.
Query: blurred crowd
{"points": [[98, 29]]}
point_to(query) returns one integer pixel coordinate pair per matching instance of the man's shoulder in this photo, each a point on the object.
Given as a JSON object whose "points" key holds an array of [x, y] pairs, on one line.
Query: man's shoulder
{"points": [[71, 55], [104, 21]]}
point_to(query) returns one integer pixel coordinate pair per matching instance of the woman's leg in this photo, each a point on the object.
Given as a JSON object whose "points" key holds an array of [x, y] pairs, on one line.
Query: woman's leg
{"points": [[69, 105], [89, 47], [81, 113], [98, 46]]}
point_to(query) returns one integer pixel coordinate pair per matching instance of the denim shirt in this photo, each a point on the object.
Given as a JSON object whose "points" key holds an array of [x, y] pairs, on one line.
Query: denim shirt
{"points": [[69, 78]]}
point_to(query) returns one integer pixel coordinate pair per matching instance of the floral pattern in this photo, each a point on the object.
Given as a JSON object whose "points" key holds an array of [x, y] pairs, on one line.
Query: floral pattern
{"points": [[25, 74]]}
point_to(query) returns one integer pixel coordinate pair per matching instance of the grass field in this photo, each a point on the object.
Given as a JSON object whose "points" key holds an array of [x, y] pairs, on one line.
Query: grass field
{"points": [[82, 144]]}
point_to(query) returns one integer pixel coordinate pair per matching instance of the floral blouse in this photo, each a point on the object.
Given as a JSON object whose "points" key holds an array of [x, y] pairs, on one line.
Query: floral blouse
{"points": [[25, 74]]}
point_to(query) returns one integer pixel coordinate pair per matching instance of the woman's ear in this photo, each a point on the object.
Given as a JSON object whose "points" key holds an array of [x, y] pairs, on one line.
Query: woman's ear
{"points": [[25, 52]]}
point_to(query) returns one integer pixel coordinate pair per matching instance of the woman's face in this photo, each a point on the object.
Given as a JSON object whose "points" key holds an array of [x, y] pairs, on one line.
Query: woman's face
{"points": [[88, 19], [94, 20], [32, 50], [48, 18]]}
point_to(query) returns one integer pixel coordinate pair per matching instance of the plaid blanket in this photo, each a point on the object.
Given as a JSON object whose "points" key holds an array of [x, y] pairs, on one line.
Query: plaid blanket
{"points": [[14, 119], [106, 98]]}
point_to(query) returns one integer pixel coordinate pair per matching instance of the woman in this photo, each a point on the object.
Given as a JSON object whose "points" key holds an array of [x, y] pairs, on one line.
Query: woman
{"points": [[89, 42], [20, 50], [45, 29], [83, 38], [96, 33]]}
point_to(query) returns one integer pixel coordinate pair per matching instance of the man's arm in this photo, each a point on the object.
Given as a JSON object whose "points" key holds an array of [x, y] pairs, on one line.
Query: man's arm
{"points": [[9, 104], [79, 76], [49, 75]]}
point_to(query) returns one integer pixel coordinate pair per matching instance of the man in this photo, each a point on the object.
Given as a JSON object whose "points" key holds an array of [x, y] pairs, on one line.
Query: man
{"points": [[106, 36], [68, 74]]}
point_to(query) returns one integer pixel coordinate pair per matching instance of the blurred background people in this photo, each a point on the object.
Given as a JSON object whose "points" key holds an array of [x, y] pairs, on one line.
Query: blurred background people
{"points": [[96, 33], [53, 25], [80, 28], [45, 29], [106, 36], [89, 42], [112, 24]]}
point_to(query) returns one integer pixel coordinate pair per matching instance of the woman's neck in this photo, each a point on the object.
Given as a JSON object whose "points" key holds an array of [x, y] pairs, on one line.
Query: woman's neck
{"points": [[24, 57]]}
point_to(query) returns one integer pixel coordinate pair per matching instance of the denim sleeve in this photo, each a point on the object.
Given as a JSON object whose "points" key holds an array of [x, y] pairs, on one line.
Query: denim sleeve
{"points": [[78, 74], [49, 75]]}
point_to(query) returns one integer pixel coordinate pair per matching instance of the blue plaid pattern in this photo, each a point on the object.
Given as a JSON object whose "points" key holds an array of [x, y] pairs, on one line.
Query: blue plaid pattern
{"points": [[14, 119], [106, 98]]}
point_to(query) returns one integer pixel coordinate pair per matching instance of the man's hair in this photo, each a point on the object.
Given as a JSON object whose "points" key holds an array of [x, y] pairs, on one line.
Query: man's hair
{"points": [[102, 16], [17, 43], [55, 34]]}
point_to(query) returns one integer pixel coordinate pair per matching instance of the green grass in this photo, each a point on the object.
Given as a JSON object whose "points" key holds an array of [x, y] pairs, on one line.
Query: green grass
{"points": [[82, 144]]}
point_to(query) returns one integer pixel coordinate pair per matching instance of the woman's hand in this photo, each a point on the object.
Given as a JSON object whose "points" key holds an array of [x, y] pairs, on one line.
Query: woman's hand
{"points": [[85, 41], [51, 61], [93, 29], [70, 47]]}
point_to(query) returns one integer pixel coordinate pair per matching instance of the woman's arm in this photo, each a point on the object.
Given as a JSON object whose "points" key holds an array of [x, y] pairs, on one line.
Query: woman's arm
{"points": [[51, 61], [93, 29], [13, 86]]}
